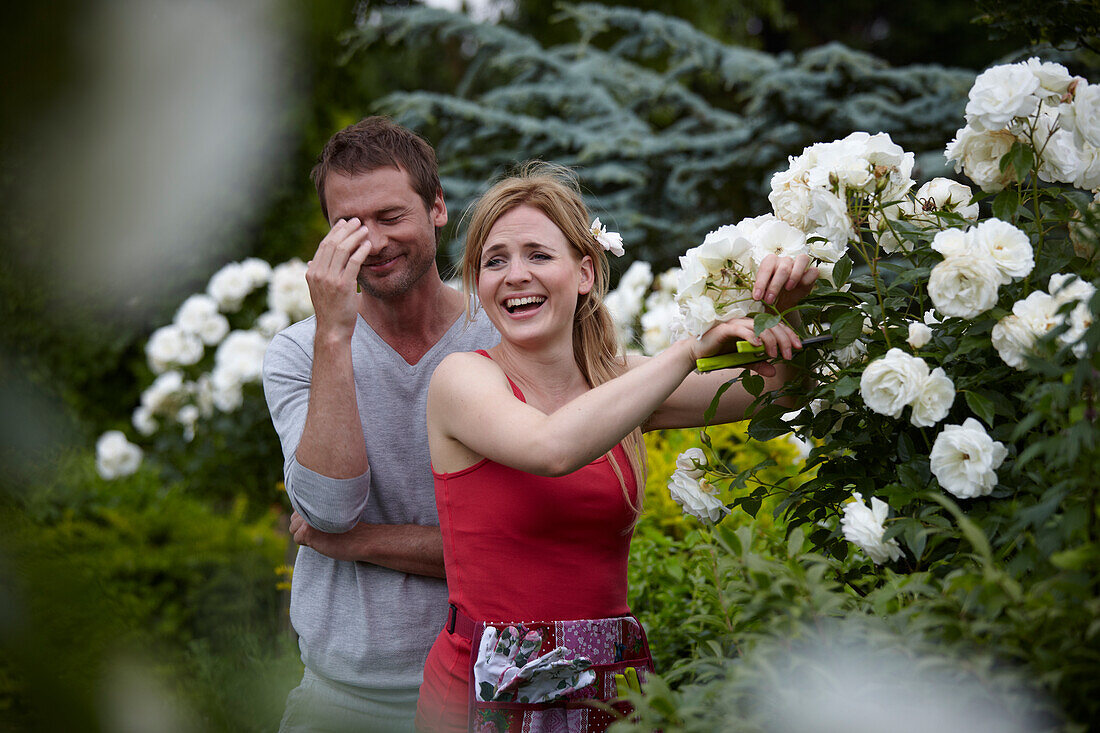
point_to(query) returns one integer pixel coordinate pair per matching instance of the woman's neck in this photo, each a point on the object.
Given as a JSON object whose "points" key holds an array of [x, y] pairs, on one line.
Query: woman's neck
{"points": [[548, 374]]}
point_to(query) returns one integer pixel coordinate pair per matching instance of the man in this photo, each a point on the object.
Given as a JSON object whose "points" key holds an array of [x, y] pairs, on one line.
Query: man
{"points": [[347, 391]]}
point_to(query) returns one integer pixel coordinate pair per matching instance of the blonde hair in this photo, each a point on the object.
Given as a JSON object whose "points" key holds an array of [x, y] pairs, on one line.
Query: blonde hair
{"points": [[553, 189]]}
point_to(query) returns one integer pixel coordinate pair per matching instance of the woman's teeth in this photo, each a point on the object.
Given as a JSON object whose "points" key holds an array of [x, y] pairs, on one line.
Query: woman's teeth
{"points": [[512, 304]]}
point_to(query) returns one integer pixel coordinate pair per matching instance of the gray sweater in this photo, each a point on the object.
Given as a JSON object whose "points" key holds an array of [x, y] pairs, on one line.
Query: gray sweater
{"points": [[361, 625]]}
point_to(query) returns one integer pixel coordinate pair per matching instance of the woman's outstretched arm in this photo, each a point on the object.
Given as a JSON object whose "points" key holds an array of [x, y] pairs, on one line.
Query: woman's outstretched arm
{"points": [[470, 403]]}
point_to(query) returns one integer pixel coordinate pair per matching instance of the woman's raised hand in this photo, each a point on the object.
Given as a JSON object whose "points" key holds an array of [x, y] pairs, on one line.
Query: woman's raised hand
{"points": [[783, 281], [779, 340]]}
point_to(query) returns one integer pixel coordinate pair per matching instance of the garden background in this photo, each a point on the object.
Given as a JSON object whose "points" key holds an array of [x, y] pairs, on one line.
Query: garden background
{"points": [[147, 145]]}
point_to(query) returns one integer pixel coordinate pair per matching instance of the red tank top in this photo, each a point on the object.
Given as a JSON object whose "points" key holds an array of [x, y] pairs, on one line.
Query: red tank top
{"points": [[520, 547]]}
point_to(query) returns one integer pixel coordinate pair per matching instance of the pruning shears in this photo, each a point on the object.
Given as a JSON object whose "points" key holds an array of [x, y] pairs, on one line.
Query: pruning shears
{"points": [[628, 680], [746, 354]]}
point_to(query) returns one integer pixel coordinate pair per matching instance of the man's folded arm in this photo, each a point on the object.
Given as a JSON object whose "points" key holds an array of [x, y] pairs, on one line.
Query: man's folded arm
{"points": [[328, 504]]}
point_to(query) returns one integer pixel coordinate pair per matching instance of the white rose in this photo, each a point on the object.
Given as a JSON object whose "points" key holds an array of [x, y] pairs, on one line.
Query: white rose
{"points": [[195, 311], [953, 243], [1069, 288], [936, 396], [845, 164], [1088, 174], [890, 161], [199, 316], [828, 218], [270, 323], [657, 324], [1001, 93], [722, 245], [1054, 79], [666, 281], [863, 527], [1009, 247], [226, 389], [691, 278], [143, 421], [623, 311], [288, 291], [229, 286], [1060, 160], [978, 154], [770, 235], [188, 417], [698, 315], [258, 271], [625, 302], [892, 382], [637, 279], [214, 330], [964, 459], [853, 353], [170, 346], [165, 390], [693, 462], [610, 241], [115, 456], [1086, 114], [904, 210], [919, 335], [947, 195], [1013, 339], [930, 317], [964, 286], [1038, 312], [242, 355], [202, 389], [790, 198], [696, 497], [165, 394]]}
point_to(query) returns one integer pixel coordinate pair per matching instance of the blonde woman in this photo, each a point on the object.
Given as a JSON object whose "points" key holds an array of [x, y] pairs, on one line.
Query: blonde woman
{"points": [[538, 458]]}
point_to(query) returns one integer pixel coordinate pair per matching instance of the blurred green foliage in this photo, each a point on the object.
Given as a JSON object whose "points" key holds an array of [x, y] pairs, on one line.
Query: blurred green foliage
{"points": [[96, 572]]}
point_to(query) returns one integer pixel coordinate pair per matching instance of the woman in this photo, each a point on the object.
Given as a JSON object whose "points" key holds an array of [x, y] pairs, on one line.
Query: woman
{"points": [[536, 444]]}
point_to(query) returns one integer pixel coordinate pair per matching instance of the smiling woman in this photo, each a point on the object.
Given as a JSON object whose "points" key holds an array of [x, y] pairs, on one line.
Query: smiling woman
{"points": [[537, 453]]}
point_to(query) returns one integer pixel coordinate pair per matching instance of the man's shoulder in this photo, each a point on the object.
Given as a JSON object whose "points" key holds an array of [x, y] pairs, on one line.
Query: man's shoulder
{"points": [[300, 333], [477, 332], [292, 345]]}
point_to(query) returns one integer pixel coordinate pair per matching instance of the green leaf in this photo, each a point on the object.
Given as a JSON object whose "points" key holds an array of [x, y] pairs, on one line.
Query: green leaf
{"points": [[845, 386], [713, 408], [751, 506], [763, 321], [981, 406], [768, 428], [1023, 159], [906, 449], [846, 328], [1006, 204], [753, 384], [841, 271]]}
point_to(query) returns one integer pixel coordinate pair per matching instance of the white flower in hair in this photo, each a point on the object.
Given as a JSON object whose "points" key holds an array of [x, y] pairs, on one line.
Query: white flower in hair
{"points": [[611, 241]]}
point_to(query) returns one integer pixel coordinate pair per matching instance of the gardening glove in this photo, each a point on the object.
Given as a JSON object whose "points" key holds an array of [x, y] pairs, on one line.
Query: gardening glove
{"points": [[500, 656], [546, 678]]}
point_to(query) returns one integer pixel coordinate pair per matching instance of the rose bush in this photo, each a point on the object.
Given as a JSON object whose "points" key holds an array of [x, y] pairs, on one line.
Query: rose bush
{"points": [[977, 311], [202, 414]]}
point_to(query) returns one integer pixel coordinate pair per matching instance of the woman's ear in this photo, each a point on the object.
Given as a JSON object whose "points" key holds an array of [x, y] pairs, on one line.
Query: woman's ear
{"points": [[588, 276]]}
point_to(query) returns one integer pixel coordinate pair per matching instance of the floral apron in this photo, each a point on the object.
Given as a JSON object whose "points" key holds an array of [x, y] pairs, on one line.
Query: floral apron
{"points": [[543, 676]]}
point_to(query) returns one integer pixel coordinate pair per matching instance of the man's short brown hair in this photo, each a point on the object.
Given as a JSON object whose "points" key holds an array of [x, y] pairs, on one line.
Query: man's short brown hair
{"points": [[377, 142]]}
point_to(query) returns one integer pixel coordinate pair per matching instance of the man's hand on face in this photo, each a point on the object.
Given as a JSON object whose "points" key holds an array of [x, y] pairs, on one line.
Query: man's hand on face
{"points": [[331, 276]]}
